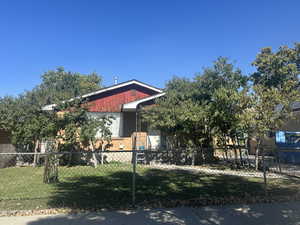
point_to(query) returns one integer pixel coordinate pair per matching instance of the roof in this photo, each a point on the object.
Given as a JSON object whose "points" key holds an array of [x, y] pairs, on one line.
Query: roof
{"points": [[113, 87], [131, 106], [122, 85]]}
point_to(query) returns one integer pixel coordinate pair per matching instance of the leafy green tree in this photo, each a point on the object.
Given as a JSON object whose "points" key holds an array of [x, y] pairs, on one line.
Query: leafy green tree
{"points": [[275, 89], [222, 74], [23, 116], [270, 108], [96, 130], [275, 68], [8, 108], [228, 105], [59, 85], [71, 116], [74, 127], [223, 86], [188, 113]]}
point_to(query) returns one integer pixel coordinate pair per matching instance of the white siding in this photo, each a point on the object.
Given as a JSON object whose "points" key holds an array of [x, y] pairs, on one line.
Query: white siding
{"points": [[116, 126]]}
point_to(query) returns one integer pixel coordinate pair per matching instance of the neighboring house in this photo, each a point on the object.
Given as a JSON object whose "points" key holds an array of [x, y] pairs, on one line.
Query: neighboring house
{"points": [[285, 141], [123, 101]]}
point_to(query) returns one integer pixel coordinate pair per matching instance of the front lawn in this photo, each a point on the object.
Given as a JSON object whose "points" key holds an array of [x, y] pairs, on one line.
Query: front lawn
{"points": [[110, 186]]}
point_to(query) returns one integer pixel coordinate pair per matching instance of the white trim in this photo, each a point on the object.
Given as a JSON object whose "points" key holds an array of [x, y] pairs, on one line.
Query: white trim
{"points": [[122, 85], [131, 106], [50, 107]]}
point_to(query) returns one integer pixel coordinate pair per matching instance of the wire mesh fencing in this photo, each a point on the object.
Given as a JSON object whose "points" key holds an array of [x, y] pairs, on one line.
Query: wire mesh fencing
{"points": [[284, 163], [121, 179], [70, 179]]}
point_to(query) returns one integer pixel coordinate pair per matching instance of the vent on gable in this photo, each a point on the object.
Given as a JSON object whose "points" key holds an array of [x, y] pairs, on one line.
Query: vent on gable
{"points": [[133, 92]]}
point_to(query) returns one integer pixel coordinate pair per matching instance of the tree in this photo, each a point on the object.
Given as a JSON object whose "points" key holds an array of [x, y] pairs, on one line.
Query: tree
{"points": [[60, 85], [187, 113], [74, 127], [270, 108], [275, 68], [276, 84], [228, 105], [224, 86], [96, 129], [22, 115], [8, 108], [30, 125]]}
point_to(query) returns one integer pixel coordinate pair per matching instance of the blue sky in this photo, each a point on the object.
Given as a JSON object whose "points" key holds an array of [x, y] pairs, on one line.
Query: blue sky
{"points": [[147, 40]]}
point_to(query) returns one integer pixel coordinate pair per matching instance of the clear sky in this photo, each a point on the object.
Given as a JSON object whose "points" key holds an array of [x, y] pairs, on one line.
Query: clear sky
{"points": [[148, 40]]}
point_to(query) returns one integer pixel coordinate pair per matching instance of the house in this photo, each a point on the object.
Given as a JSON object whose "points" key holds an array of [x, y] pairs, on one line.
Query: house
{"points": [[285, 141], [123, 101]]}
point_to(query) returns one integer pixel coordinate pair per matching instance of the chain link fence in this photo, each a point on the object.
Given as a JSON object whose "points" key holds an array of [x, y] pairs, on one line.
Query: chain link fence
{"points": [[121, 179], [281, 163]]}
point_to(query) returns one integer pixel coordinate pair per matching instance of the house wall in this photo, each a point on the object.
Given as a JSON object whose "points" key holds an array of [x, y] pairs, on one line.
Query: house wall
{"points": [[124, 143], [293, 124], [112, 101]]}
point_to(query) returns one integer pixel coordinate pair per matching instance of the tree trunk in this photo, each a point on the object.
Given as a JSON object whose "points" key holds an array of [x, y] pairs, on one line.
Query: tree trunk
{"points": [[35, 157], [226, 154], [95, 160], [102, 158], [193, 157], [51, 166], [278, 161], [247, 154], [241, 157], [235, 150], [208, 151], [235, 156], [202, 155], [70, 157], [51, 169], [257, 155], [240, 151]]}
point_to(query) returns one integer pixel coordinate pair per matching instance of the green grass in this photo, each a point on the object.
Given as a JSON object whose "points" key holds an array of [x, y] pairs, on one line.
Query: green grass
{"points": [[109, 186]]}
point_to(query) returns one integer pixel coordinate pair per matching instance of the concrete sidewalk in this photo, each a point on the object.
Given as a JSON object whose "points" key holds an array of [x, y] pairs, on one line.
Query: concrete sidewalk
{"points": [[262, 214]]}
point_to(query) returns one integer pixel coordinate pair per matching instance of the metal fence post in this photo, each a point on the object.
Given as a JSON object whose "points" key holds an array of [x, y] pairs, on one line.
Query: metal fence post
{"points": [[133, 176], [278, 160]]}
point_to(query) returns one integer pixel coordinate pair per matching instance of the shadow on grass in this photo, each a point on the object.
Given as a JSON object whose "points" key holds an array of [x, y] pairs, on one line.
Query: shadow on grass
{"points": [[114, 191], [89, 192]]}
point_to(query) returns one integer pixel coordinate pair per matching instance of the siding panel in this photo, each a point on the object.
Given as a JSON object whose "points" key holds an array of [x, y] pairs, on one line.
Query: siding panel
{"points": [[112, 101]]}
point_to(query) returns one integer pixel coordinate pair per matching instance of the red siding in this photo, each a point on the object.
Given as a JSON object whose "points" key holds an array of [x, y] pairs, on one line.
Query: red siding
{"points": [[112, 101]]}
